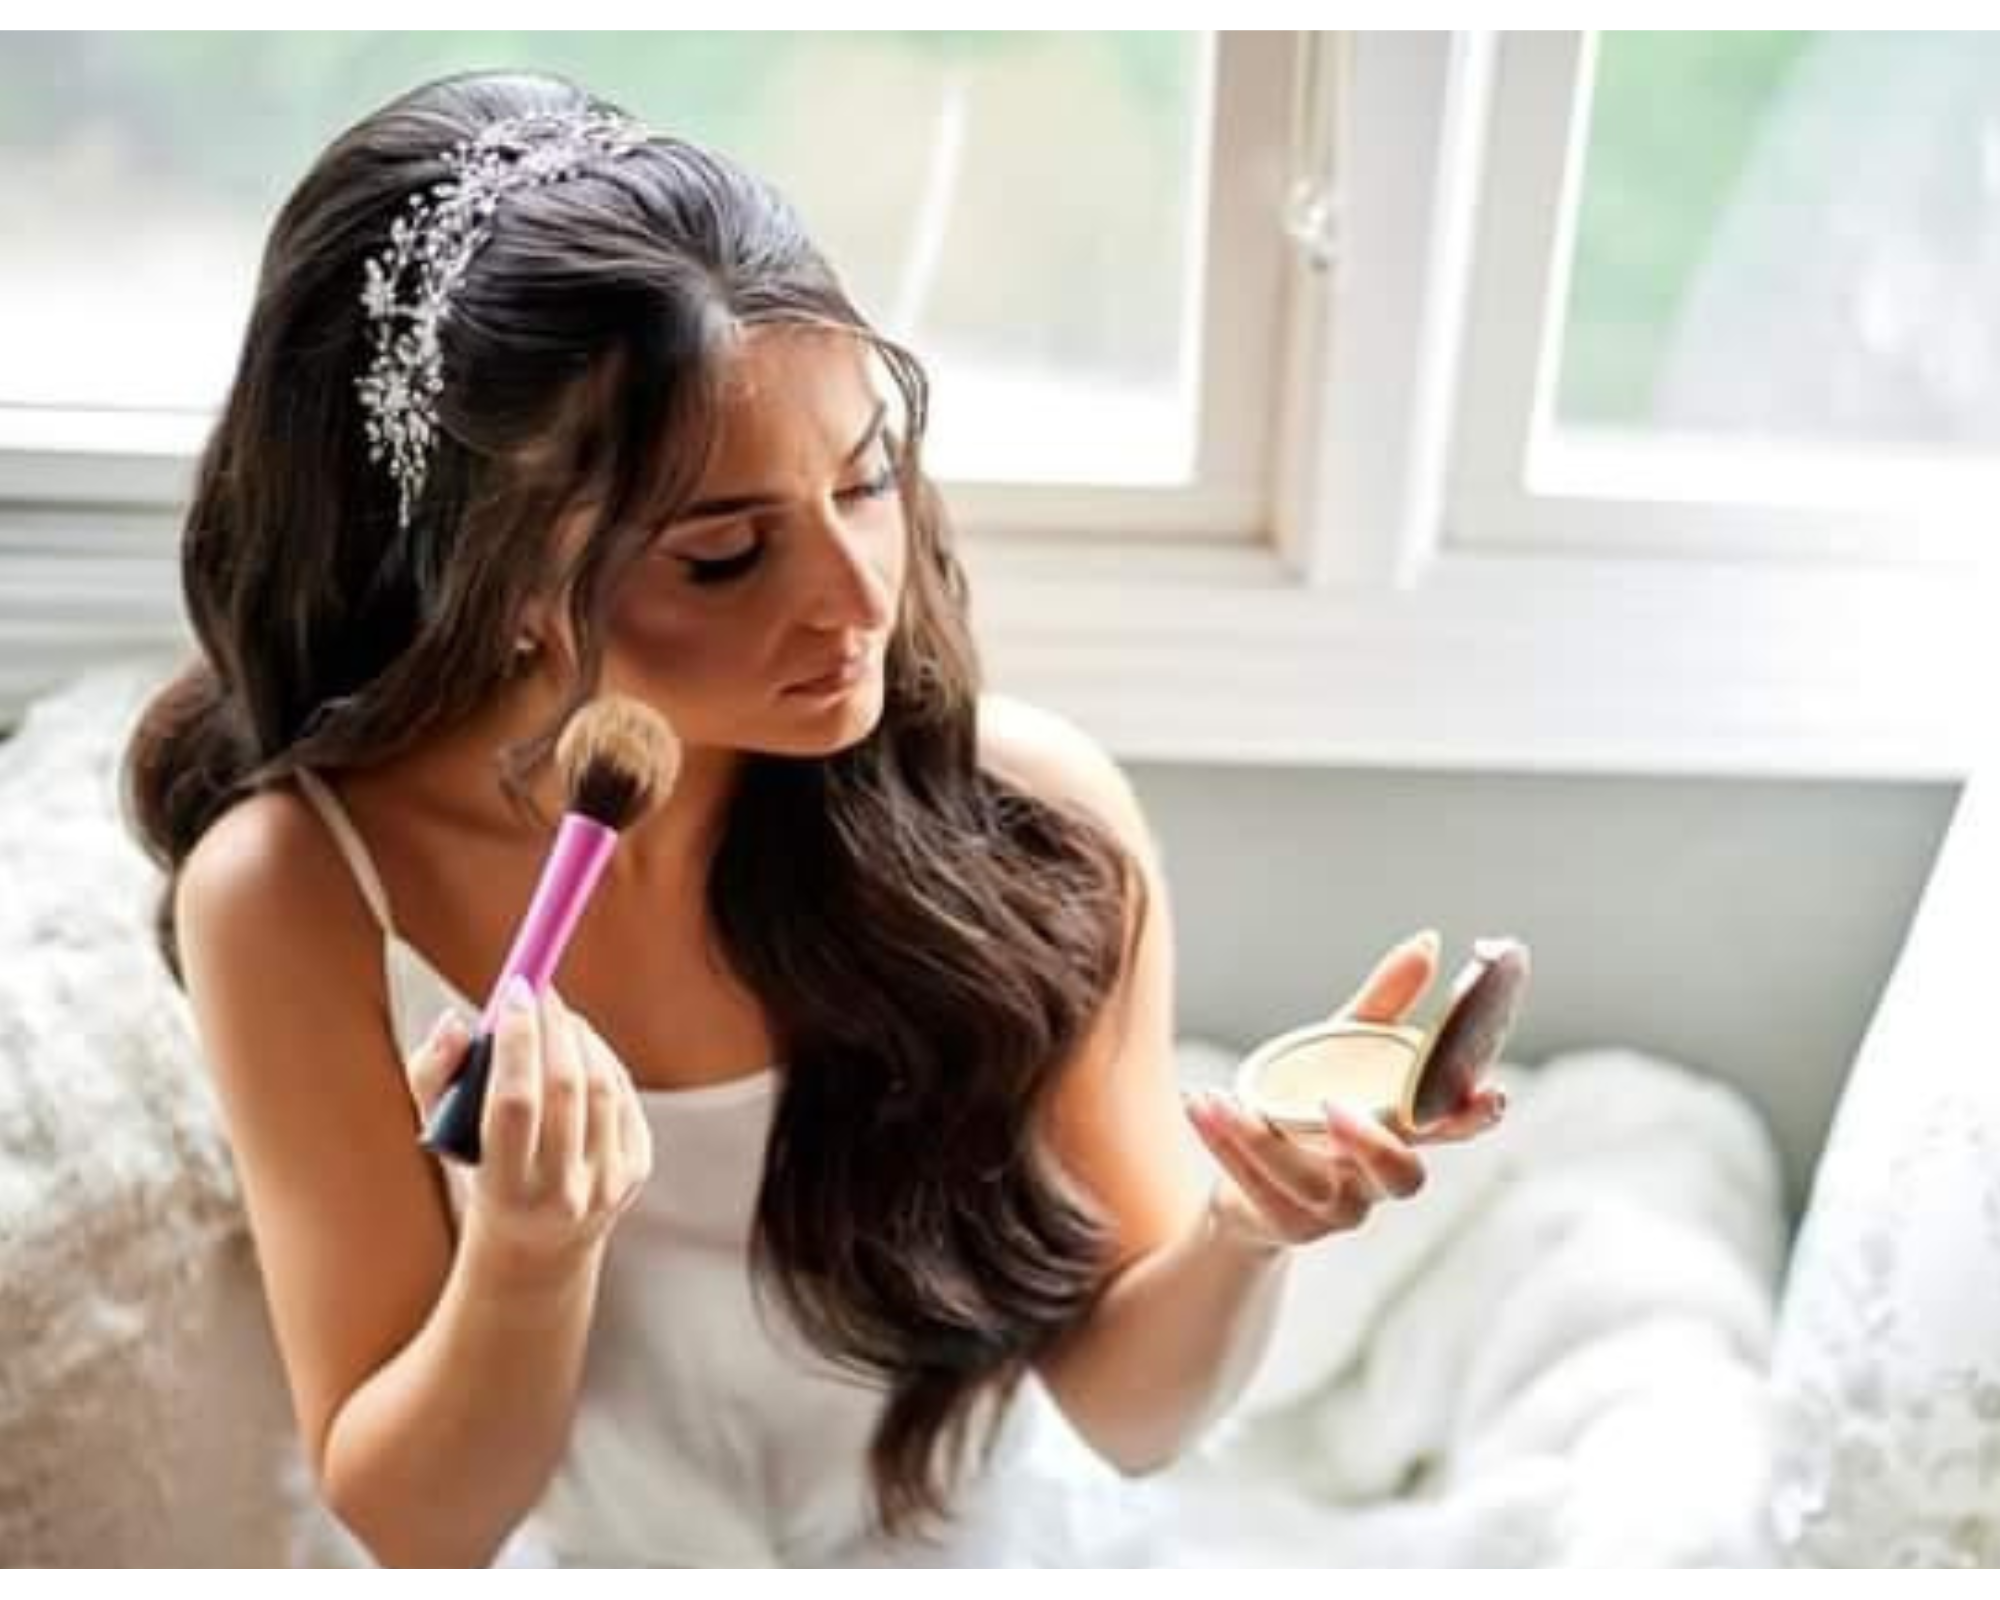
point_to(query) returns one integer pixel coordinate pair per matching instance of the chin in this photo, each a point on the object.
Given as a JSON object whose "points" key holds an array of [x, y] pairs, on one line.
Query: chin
{"points": [[826, 728]]}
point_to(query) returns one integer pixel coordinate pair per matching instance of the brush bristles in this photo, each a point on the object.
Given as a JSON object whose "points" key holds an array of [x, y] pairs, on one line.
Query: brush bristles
{"points": [[618, 758]]}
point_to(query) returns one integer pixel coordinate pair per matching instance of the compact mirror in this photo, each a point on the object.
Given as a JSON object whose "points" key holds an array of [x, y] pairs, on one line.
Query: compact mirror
{"points": [[1392, 1071]]}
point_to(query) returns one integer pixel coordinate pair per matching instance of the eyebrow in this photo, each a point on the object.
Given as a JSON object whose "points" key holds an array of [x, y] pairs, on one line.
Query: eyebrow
{"points": [[732, 505]]}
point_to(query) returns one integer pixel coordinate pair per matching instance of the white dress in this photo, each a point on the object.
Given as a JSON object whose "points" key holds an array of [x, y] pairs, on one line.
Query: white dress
{"points": [[707, 1431]]}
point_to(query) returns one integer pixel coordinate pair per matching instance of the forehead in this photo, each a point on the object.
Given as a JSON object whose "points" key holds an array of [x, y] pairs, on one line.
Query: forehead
{"points": [[789, 394]]}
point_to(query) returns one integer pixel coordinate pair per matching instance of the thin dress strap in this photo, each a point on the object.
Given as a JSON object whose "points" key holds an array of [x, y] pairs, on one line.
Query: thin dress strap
{"points": [[348, 839]]}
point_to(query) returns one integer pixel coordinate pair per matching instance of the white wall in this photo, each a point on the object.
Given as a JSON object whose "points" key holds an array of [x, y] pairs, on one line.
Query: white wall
{"points": [[1745, 928]]}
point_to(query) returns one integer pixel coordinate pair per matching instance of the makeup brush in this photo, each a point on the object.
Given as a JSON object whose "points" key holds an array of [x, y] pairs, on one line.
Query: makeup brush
{"points": [[618, 759]]}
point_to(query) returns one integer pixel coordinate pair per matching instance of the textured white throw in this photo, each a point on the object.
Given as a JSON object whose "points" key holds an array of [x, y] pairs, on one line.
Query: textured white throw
{"points": [[143, 1416], [1556, 1354]]}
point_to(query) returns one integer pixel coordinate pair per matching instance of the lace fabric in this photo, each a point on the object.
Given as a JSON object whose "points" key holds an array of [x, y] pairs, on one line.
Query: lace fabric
{"points": [[1886, 1377]]}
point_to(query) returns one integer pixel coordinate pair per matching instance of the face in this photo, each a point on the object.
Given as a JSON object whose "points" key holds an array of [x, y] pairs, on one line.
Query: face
{"points": [[759, 620]]}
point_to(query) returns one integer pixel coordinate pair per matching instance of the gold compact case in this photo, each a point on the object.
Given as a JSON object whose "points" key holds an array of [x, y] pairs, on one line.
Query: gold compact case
{"points": [[1391, 1070]]}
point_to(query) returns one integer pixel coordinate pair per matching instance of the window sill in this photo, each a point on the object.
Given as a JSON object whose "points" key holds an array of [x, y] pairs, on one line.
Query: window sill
{"points": [[1515, 663]]}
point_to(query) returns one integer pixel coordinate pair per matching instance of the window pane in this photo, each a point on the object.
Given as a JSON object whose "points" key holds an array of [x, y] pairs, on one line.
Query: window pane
{"points": [[1790, 237], [1016, 206]]}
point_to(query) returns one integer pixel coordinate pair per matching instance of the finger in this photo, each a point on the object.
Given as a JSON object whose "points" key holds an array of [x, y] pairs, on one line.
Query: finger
{"points": [[625, 1140], [1481, 1111], [1387, 1165], [512, 1122], [431, 1065], [604, 1151], [617, 1158], [1330, 1195], [1398, 981], [1288, 1219], [1301, 1171], [638, 1142], [559, 1155], [634, 1145]]}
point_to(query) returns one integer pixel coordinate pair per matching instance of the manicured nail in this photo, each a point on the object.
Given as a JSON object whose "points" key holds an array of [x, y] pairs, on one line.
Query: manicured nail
{"points": [[518, 994], [1429, 940]]}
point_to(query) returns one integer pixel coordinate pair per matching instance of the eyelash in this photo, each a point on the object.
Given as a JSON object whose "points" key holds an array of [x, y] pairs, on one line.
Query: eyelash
{"points": [[722, 569]]}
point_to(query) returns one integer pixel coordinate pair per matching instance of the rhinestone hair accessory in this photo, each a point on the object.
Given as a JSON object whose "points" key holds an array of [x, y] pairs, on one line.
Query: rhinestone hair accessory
{"points": [[410, 283]]}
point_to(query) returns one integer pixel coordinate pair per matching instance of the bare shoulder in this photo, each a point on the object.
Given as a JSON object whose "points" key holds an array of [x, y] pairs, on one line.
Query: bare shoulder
{"points": [[266, 887], [270, 842], [1053, 759], [283, 967]]}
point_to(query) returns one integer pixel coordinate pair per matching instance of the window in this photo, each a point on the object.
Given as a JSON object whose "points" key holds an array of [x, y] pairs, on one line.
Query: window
{"points": [[1514, 461], [1103, 349], [1800, 254], [1760, 319]]}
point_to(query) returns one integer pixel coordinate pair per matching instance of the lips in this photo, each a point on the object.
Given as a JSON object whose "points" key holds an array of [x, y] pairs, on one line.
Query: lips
{"points": [[842, 673]]}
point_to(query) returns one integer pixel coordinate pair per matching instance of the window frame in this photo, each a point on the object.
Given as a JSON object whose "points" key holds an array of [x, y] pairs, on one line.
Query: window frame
{"points": [[1520, 483], [57, 456], [1383, 625], [1363, 620]]}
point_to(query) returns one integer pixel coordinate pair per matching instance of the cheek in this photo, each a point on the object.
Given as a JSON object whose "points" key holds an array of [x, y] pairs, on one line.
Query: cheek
{"points": [[654, 640]]}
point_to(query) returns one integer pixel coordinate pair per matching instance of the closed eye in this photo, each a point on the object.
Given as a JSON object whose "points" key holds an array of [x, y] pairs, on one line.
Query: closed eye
{"points": [[720, 569], [883, 483]]}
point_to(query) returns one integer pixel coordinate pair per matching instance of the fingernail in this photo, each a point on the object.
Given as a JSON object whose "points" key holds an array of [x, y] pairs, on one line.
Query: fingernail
{"points": [[1429, 940], [447, 1026], [518, 995]]}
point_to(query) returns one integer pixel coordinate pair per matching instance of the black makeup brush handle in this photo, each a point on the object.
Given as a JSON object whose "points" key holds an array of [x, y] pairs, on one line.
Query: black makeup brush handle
{"points": [[453, 1129]]}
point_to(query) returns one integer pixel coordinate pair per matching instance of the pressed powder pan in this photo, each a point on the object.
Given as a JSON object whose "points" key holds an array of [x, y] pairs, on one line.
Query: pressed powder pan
{"points": [[1391, 1071]]}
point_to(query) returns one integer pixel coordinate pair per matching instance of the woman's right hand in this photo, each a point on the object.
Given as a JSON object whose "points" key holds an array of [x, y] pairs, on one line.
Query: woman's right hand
{"points": [[565, 1148]]}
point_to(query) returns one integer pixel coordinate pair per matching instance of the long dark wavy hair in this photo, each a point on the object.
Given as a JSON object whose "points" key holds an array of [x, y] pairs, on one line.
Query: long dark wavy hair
{"points": [[928, 943]]}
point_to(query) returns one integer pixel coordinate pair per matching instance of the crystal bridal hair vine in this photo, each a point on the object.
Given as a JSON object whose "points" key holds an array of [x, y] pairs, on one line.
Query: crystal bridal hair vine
{"points": [[410, 283]]}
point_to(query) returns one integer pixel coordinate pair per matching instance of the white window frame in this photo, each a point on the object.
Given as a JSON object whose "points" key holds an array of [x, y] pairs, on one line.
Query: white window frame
{"points": [[1522, 483], [1367, 621], [1233, 322], [89, 498], [1387, 624], [1232, 305]]}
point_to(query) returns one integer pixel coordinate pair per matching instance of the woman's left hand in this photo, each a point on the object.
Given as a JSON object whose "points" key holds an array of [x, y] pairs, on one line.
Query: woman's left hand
{"points": [[1276, 1191]]}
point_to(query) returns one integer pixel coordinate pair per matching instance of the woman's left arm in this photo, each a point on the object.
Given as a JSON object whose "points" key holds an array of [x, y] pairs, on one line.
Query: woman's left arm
{"points": [[1199, 1268]]}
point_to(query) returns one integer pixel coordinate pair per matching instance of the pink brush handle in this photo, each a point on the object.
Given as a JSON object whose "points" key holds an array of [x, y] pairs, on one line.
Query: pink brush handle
{"points": [[575, 862]]}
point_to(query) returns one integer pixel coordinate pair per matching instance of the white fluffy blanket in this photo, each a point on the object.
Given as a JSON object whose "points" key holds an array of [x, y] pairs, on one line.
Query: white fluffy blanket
{"points": [[143, 1416], [1555, 1355]]}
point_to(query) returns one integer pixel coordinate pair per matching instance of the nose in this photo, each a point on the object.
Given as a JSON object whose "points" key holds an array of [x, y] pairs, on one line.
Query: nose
{"points": [[849, 592]]}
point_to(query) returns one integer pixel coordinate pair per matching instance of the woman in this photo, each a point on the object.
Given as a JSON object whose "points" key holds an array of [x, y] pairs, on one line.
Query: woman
{"points": [[841, 1182]]}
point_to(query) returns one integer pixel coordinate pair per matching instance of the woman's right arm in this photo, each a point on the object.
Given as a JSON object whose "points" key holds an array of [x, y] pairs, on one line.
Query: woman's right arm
{"points": [[434, 1380]]}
